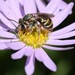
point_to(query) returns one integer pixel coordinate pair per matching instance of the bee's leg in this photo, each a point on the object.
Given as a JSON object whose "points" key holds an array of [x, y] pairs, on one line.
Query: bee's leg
{"points": [[38, 29], [29, 29]]}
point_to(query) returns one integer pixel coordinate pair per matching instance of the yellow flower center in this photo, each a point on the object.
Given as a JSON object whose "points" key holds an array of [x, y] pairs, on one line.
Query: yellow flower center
{"points": [[34, 37], [33, 29]]}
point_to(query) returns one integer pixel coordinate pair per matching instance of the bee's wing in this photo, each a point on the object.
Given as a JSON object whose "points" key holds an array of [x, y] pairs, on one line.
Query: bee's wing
{"points": [[44, 15], [50, 15]]}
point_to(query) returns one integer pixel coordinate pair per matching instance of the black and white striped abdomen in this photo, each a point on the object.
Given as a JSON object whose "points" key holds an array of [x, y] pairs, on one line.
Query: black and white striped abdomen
{"points": [[48, 24]]}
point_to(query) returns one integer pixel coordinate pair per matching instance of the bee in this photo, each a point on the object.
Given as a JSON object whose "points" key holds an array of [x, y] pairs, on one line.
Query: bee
{"points": [[36, 20]]}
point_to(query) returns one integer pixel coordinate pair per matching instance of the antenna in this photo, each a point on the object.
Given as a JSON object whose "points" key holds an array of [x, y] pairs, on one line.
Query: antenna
{"points": [[9, 19], [13, 21]]}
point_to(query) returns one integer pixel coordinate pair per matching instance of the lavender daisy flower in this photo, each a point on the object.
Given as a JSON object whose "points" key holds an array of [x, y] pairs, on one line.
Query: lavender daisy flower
{"points": [[31, 41]]}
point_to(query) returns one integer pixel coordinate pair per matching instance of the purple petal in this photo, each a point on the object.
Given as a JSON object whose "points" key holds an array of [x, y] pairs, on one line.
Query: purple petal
{"points": [[62, 15], [63, 4], [18, 55], [51, 7], [38, 55], [8, 40], [28, 51], [6, 10], [6, 22], [1, 28], [21, 2], [15, 7], [46, 60], [24, 51], [3, 46], [15, 45], [7, 3], [61, 7], [64, 30], [29, 67], [60, 42], [29, 6], [7, 34], [41, 6], [67, 35], [57, 48]]}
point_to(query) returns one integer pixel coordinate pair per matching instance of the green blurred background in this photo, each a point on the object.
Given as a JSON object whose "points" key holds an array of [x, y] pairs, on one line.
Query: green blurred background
{"points": [[65, 60]]}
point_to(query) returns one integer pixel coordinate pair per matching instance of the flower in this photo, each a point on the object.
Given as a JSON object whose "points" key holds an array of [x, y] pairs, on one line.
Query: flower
{"points": [[12, 10]]}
